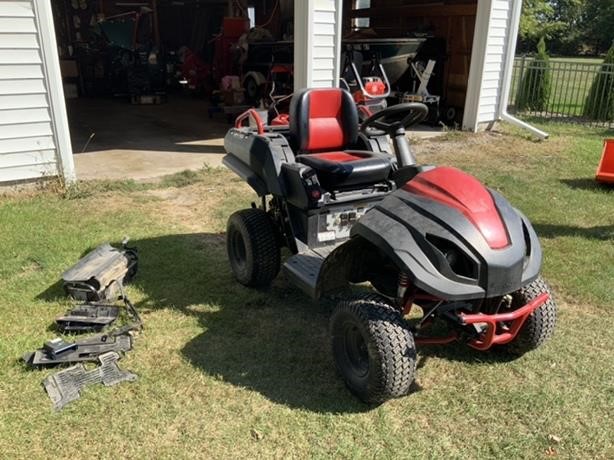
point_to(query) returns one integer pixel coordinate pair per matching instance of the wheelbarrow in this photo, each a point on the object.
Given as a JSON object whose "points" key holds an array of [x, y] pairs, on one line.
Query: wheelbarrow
{"points": [[605, 171]]}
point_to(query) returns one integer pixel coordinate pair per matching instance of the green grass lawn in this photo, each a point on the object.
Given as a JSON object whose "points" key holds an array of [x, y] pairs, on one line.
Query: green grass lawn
{"points": [[227, 372]]}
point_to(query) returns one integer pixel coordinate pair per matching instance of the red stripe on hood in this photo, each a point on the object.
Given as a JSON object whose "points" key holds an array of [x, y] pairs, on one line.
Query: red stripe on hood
{"points": [[459, 190]]}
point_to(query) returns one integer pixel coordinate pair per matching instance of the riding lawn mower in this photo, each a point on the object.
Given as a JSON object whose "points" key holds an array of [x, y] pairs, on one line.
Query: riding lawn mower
{"points": [[359, 215]]}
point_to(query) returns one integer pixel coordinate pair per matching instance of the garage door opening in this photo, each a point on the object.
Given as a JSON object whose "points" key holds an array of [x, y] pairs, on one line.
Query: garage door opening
{"points": [[151, 86], [143, 79], [445, 30]]}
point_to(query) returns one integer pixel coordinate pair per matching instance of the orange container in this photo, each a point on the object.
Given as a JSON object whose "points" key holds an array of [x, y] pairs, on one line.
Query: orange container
{"points": [[605, 171]]}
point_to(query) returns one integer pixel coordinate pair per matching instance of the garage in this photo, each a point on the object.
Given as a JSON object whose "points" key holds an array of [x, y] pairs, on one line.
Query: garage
{"points": [[145, 88], [143, 80]]}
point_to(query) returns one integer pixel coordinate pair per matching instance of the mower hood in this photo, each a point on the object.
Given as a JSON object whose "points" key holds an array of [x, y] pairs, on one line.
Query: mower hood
{"points": [[456, 238]]}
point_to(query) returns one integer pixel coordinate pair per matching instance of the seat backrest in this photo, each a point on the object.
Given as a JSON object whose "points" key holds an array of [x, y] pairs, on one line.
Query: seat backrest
{"points": [[323, 119]]}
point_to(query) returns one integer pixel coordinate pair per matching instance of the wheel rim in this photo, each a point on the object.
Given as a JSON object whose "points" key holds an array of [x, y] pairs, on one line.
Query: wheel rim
{"points": [[237, 249], [356, 352], [252, 89]]}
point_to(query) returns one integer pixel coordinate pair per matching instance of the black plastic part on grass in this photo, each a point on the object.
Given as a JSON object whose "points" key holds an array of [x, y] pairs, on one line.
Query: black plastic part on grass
{"points": [[87, 318], [65, 386], [89, 349], [97, 275]]}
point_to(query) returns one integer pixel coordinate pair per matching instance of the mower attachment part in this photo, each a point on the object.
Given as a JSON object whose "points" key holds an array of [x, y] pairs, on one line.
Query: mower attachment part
{"points": [[66, 385], [89, 349], [96, 276], [87, 318]]}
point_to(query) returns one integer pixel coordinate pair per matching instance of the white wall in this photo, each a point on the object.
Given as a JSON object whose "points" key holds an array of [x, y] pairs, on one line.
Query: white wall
{"points": [[317, 41], [488, 61], [30, 137]]}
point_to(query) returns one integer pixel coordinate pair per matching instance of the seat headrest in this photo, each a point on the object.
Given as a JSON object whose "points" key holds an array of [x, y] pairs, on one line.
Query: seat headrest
{"points": [[323, 119]]}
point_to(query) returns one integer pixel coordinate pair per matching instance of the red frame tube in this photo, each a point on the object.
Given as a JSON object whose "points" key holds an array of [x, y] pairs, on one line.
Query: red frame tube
{"points": [[490, 336], [517, 317], [250, 113]]}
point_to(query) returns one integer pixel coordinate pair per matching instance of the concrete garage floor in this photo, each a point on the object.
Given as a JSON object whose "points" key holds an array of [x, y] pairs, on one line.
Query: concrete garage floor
{"points": [[143, 141], [112, 139]]}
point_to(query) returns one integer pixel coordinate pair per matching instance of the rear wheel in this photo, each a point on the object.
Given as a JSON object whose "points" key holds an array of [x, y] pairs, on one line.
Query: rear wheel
{"points": [[538, 327], [253, 248], [373, 349]]}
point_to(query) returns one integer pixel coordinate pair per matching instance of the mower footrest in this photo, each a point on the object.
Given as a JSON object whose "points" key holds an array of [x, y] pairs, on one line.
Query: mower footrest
{"points": [[303, 269]]}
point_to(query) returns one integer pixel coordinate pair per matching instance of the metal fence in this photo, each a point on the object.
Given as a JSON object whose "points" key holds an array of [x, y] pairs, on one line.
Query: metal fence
{"points": [[577, 92]]}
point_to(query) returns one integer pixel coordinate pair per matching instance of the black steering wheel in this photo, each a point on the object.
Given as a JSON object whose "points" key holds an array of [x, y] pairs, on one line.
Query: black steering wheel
{"points": [[392, 119]]}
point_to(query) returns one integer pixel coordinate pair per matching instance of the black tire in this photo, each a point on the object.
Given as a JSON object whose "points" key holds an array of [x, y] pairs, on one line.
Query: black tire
{"points": [[373, 348], [252, 90], [252, 247], [538, 327]]}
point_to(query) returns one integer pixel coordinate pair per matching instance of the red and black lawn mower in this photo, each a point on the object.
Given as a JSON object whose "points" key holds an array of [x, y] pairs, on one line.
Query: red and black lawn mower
{"points": [[352, 206]]}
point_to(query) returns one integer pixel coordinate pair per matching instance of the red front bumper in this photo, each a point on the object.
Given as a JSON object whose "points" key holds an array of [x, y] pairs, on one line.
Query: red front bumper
{"points": [[509, 324], [517, 318]]}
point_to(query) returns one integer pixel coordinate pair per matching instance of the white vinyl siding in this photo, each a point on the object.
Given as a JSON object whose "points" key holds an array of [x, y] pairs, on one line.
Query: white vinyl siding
{"points": [[494, 61], [324, 29], [28, 141], [317, 23], [488, 60]]}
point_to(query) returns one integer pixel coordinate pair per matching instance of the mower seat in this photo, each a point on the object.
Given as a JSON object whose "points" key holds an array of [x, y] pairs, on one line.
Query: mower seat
{"points": [[324, 123]]}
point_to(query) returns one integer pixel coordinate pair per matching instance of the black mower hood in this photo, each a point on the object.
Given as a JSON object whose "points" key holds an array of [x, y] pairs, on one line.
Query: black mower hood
{"points": [[456, 238]]}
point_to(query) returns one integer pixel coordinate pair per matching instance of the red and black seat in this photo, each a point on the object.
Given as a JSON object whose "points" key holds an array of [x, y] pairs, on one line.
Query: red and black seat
{"points": [[324, 123]]}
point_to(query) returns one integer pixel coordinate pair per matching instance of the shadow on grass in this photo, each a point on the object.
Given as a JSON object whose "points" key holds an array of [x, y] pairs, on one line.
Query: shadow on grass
{"points": [[587, 183], [599, 232], [273, 342]]}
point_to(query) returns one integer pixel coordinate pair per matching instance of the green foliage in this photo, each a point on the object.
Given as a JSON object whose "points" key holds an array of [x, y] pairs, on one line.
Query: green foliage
{"points": [[570, 26], [600, 100], [534, 90], [538, 20], [597, 24]]}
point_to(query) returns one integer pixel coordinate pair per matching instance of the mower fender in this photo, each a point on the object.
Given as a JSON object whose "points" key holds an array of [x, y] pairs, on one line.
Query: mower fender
{"points": [[342, 266], [443, 251], [533, 263], [402, 247]]}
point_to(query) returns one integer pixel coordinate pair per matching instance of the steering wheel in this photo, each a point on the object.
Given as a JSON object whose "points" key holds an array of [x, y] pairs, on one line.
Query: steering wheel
{"points": [[392, 119]]}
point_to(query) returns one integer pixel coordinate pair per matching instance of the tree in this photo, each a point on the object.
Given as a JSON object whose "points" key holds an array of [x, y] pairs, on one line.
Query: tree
{"points": [[534, 90], [568, 39], [538, 20], [600, 101], [598, 24]]}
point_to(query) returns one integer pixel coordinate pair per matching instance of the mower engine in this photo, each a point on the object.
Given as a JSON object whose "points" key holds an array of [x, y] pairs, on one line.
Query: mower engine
{"points": [[96, 276]]}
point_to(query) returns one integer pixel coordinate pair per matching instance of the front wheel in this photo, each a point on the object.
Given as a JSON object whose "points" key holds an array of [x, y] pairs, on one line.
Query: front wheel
{"points": [[373, 348], [539, 326]]}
